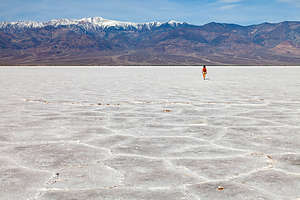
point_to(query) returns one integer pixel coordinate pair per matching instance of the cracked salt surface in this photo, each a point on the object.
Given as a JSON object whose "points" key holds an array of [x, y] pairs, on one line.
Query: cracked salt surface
{"points": [[149, 133]]}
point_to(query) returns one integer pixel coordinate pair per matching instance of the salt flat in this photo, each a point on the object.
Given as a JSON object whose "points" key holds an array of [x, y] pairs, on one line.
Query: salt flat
{"points": [[150, 133]]}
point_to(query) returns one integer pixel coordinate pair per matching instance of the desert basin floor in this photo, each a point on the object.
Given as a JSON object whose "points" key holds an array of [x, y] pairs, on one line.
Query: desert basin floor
{"points": [[76, 133]]}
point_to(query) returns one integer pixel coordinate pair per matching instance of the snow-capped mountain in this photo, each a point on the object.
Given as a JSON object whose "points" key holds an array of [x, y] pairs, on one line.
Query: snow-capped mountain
{"points": [[88, 23], [98, 41]]}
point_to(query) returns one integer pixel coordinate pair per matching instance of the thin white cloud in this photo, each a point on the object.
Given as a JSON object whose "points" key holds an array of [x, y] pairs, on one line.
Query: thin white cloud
{"points": [[227, 4], [228, 7], [230, 1]]}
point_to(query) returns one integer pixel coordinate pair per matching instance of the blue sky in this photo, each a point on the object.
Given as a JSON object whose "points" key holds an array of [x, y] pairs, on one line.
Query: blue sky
{"points": [[198, 12]]}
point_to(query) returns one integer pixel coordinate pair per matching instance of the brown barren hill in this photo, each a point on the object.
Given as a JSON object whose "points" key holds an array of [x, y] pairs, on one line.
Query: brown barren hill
{"points": [[89, 41], [287, 48]]}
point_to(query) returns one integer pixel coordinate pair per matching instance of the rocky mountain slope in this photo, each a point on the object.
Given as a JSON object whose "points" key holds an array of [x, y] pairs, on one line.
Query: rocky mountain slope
{"points": [[97, 41]]}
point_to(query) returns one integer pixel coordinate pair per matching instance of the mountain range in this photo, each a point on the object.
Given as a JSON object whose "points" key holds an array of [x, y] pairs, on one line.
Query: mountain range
{"points": [[98, 41]]}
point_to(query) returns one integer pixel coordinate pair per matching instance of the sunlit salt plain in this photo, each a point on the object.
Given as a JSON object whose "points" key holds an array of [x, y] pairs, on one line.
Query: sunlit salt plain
{"points": [[149, 133]]}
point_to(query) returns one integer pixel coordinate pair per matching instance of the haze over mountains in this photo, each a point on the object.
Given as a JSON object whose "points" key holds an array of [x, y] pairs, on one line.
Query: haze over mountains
{"points": [[98, 41]]}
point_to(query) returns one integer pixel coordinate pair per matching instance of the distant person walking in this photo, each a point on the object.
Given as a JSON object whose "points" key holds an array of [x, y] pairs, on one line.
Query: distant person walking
{"points": [[204, 72]]}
